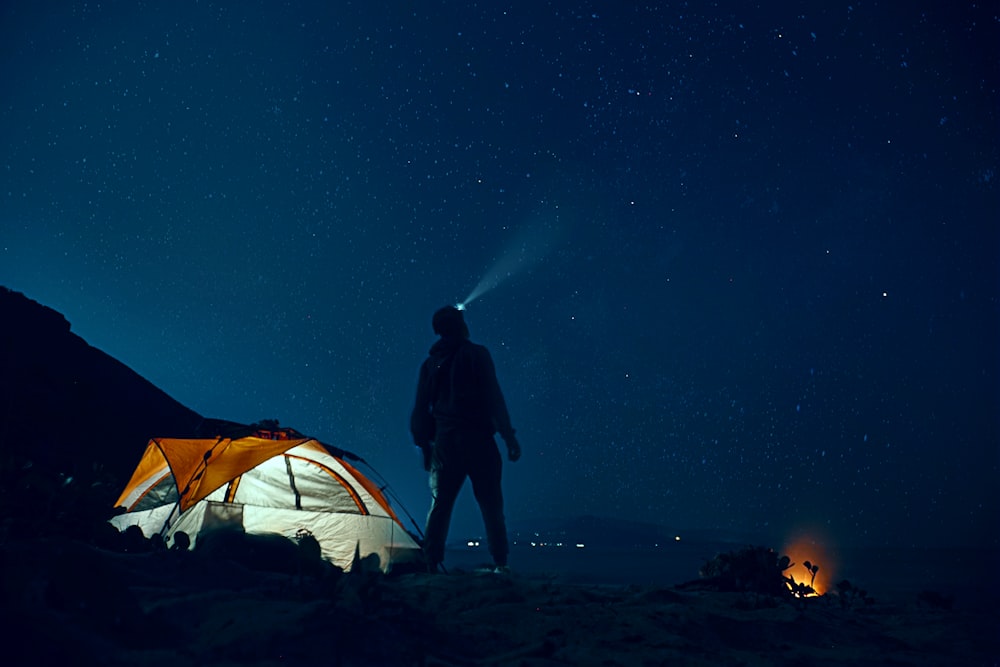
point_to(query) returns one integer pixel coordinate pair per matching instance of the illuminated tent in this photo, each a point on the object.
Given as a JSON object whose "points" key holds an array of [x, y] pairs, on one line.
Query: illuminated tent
{"points": [[270, 482]]}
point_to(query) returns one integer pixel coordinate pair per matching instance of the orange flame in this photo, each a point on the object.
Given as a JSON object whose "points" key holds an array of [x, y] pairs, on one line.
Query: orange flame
{"points": [[804, 548]]}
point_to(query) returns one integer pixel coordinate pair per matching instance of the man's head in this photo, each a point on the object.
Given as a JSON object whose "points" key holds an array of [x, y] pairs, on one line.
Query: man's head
{"points": [[449, 323]]}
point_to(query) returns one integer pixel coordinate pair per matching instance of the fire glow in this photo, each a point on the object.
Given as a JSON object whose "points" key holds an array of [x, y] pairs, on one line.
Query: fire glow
{"points": [[802, 549]]}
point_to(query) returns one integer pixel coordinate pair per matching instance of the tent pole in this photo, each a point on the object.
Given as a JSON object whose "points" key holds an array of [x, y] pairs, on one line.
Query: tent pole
{"points": [[388, 490], [169, 520]]}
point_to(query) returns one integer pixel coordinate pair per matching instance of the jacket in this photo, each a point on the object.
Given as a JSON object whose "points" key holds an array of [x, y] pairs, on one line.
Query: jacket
{"points": [[458, 388]]}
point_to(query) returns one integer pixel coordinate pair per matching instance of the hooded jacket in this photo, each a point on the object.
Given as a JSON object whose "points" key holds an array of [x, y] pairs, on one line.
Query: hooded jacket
{"points": [[458, 388]]}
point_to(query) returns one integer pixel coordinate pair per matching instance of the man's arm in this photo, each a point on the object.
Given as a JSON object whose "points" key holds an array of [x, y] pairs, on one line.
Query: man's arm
{"points": [[421, 419], [498, 408]]}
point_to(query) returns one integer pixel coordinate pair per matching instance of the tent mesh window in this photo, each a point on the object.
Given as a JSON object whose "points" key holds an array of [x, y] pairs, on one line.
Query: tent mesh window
{"points": [[162, 493]]}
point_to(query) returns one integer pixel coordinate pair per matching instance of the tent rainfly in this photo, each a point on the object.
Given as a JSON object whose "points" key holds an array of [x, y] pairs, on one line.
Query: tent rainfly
{"points": [[269, 482]]}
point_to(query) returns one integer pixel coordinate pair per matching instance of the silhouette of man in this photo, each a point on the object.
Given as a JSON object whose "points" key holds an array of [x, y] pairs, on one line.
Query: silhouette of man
{"points": [[459, 407]]}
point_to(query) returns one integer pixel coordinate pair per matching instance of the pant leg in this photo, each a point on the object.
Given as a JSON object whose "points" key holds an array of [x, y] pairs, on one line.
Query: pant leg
{"points": [[446, 479], [485, 473]]}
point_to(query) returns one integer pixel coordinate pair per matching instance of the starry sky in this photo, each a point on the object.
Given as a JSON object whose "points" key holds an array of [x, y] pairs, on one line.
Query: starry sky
{"points": [[740, 262]]}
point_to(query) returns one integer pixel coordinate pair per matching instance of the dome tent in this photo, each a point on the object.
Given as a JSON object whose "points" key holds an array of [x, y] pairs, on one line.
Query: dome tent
{"points": [[265, 481]]}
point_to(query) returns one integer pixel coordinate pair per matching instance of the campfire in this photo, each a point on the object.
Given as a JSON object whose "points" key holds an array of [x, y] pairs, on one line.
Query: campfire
{"points": [[819, 572]]}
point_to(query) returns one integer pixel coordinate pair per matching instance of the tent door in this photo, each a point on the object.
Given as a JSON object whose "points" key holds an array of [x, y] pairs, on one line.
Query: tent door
{"points": [[222, 515]]}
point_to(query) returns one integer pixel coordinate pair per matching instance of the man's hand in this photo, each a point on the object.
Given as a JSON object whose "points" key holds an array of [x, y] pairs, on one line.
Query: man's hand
{"points": [[513, 449], [427, 451]]}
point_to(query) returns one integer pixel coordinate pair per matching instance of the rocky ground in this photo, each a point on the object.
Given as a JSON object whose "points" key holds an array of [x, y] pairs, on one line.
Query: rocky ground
{"points": [[74, 603]]}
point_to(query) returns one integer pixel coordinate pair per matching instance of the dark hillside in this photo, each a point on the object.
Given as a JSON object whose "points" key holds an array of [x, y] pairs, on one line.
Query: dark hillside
{"points": [[70, 415]]}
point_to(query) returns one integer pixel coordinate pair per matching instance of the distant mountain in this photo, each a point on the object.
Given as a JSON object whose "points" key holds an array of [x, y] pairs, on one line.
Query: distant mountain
{"points": [[69, 413]]}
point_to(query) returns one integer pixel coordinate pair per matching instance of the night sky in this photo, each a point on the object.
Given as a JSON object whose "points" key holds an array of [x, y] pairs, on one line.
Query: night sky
{"points": [[744, 260]]}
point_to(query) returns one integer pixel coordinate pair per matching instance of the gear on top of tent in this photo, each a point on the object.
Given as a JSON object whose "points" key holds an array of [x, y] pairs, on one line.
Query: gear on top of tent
{"points": [[265, 479]]}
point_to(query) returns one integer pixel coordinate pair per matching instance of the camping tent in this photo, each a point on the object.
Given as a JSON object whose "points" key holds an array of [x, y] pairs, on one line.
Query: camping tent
{"points": [[268, 482]]}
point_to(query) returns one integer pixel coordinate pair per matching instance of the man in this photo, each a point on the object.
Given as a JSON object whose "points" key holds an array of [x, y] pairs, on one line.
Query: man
{"points": [[459, 407]]}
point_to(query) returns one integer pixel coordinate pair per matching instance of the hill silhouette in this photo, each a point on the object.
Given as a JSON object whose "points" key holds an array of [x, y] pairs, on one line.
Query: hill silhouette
{"points": [[73, 420]]}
